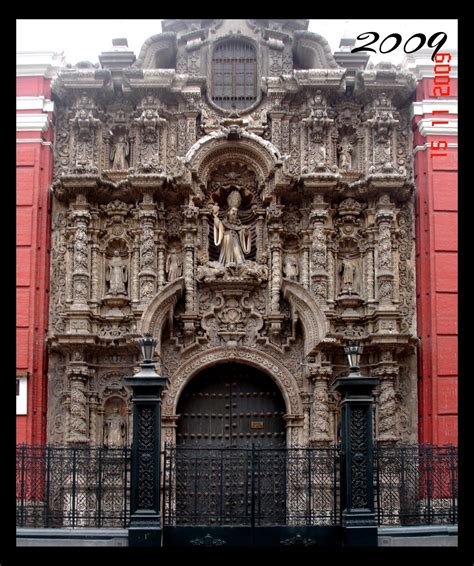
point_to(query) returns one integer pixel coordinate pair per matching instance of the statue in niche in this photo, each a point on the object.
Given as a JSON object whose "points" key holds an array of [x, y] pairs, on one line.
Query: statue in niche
{"points": [[291, 267], [232, 237], [119, 153], [115, 430], [348, 272], [173, 266], [116, 275], [345, 154]]}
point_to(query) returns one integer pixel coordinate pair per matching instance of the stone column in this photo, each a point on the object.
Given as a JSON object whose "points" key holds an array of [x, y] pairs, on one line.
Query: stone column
{"points": [[80, 273], [383, 219], [320, 432], [319, 273], [147, 275], [78, 375]]}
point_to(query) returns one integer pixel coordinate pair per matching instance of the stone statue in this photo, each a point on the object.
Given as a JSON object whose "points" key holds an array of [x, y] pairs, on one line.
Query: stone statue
{"points": [[115, 432], [348, 270], [291, 267], [345, 155], [119, 153], [230, 235], [116, 275], [173, 266]]}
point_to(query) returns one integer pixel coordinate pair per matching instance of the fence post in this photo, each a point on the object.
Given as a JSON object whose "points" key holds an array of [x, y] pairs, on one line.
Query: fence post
{"points": [[145, 515], [358, 515], [48, 481], [22, 486], [453, 485]]}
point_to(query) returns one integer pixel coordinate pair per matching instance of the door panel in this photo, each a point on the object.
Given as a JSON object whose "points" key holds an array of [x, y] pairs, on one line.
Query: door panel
{"points": [[231, 405]]}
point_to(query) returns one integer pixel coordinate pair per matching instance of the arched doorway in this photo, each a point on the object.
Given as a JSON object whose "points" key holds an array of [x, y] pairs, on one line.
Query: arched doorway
{"points": [[230, 453], [231, 405]]}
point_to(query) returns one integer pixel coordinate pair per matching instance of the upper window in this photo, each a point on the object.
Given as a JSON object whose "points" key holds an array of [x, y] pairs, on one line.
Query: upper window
{"points": [[234, 74]]}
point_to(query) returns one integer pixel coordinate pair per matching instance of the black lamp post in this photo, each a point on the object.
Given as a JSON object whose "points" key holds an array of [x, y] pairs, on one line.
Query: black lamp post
{"points": [[357, 492], [147, 386]]}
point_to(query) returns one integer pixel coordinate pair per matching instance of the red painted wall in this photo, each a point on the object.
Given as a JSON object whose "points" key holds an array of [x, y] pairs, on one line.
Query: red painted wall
{"points": [[437, 275], [34, 174]]}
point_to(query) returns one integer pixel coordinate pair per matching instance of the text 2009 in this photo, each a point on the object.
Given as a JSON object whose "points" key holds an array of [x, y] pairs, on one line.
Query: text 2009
{"points": [[437, 40]]}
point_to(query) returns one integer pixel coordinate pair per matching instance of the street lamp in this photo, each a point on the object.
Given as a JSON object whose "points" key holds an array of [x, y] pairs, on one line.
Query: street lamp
{"points": [[353, 351], [147, 386], [147, 345]]}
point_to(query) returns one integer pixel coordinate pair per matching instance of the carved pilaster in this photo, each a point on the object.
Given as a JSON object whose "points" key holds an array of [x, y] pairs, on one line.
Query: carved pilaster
{"points": [[189, 231], [320, 431], [94, 273], [305, 259], [160, 250], [135, 283], [93, 406], [388, 429], [69, 266], [274, 213]]}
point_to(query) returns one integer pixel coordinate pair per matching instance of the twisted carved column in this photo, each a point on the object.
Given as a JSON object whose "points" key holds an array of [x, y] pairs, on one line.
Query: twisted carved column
{"points": [[147, 273], [80, 274], [319, 276], [383, 220], [78, 374]]}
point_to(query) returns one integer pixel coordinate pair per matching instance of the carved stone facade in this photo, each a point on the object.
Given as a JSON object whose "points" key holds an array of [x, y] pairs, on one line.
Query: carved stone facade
{"points": [[265, 236]]}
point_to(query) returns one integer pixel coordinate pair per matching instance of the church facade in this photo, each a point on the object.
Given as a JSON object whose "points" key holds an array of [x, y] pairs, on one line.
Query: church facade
{"points": [[248, 201]]}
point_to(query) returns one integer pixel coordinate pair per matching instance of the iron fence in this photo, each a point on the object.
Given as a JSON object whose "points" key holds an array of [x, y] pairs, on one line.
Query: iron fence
{"points": [[90, 487], [416, 485], [72, 487]]}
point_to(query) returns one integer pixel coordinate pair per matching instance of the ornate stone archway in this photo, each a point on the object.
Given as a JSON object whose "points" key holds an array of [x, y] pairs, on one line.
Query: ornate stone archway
{"points": [[260, 360]]}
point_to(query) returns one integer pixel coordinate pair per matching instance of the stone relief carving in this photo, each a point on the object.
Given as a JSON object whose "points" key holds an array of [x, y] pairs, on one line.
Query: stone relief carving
{"points": [[155, 185]]}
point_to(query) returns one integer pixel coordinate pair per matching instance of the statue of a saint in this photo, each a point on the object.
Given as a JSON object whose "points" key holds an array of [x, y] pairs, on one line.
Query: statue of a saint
{"points": [[119, 153], [173, 266], [230, 234], [345, 155], [291, 267], [116, 275], [348, 270], [115, 432]]}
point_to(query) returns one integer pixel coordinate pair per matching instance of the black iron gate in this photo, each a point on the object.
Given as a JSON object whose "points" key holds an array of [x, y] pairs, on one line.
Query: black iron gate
{"points": [[251, 496]]}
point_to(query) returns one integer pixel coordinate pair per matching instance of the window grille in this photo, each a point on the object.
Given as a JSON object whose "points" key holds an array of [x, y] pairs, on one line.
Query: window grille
{"points": [[234, 74]]}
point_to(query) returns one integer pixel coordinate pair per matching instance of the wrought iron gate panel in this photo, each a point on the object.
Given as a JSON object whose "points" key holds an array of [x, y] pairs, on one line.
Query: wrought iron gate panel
{"points": [[251, 486]]}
